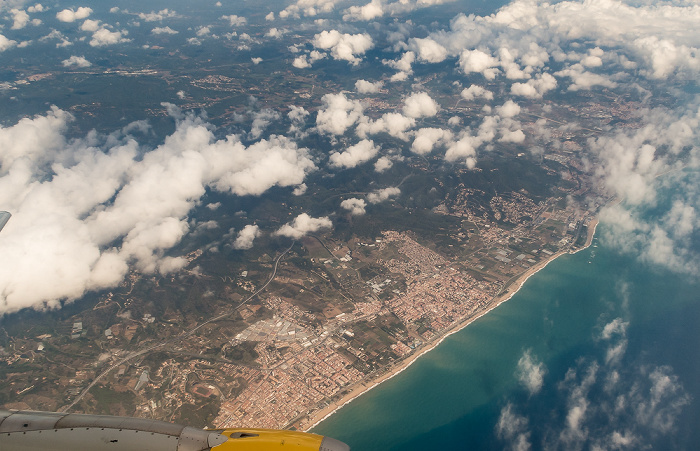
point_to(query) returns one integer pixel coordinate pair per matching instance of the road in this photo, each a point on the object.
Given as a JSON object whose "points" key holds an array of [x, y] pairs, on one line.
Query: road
{"points": [[183, 335]]}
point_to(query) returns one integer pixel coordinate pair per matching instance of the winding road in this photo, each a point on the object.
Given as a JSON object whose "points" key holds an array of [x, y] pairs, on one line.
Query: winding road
{"points": [[183, 335]]}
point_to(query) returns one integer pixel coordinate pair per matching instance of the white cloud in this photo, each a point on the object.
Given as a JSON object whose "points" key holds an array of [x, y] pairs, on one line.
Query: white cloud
{"points": [[394, 124], [300, 189], [37, 8], [534, 88], [308, 8], [54, 34], [6, 43], [303, 225], [369, 11], [163, 30], [276, 33], [403, 64], [606, 405], [86, 210], [343, 46], [69, 15], [464, 150], [513, 428], [420, 105], [381, 195], [338, 114], [234, 20], [616, 327], [475, 91], [261, 120], [428, 50], [20, 19], [480, 62], [78, 61], [383, 164], [103, 37], [245, 237], [508, 109], [531, 372], [355, 206], [583, 79], [367, 87], [656, 41], [427, 138], [305, 61], [90, 25], [157, 16], [354, 155]]}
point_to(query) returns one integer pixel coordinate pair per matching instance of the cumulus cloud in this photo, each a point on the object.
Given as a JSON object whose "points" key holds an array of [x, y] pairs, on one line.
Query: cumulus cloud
{"points": [[157, 16], [308, 8], [245, 237], [367, 87], [85, 210], [464, 150], [261, 120], [518, 42], [20, 19], [420, 104], [90, 25], [582, 79], [599, 405], [381, 195], [6, 43], [338, 114], [306, 61], [234, 20], [355, 206], [508, 109], [536, 87], [531, 372], [475, 92], [428, 50], [303, 225], [394, 124], [501, 125], [78, 61], [69, 15], [344, 46], [369, 11], [354, 155], [403, 64], [379, 8], [479, 61], [163, 30], [628, 164], [427, 138], [513, 428], [104, 36], [383, 164]]}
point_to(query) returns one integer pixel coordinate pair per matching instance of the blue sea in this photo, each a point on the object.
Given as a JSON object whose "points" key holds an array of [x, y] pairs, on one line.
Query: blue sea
{"points": [[597, 350]]}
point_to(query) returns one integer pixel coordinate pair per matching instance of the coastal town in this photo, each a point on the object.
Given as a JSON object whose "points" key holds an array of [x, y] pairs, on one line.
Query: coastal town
{"points": [[363, 310]]}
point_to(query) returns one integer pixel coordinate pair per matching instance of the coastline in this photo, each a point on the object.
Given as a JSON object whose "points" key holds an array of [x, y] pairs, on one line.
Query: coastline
{"points": [[315, 418]]}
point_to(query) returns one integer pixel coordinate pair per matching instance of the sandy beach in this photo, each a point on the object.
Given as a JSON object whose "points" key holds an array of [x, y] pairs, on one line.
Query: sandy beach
{"points": [[362, 387]]}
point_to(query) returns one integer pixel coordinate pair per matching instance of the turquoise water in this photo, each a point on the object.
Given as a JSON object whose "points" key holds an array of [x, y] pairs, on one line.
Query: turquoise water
{"points": [[454, 396]]}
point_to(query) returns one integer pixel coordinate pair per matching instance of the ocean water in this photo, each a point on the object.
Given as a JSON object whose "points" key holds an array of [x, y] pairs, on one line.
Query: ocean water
{"points": [[597, 349]]}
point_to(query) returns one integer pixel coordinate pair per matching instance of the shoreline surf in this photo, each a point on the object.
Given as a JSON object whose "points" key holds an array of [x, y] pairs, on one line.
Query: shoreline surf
{"points": [[317, 417]]}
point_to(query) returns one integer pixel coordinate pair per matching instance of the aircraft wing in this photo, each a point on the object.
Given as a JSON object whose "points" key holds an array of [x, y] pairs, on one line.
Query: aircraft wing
{"points": [[51, 431], [4, 217]]}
